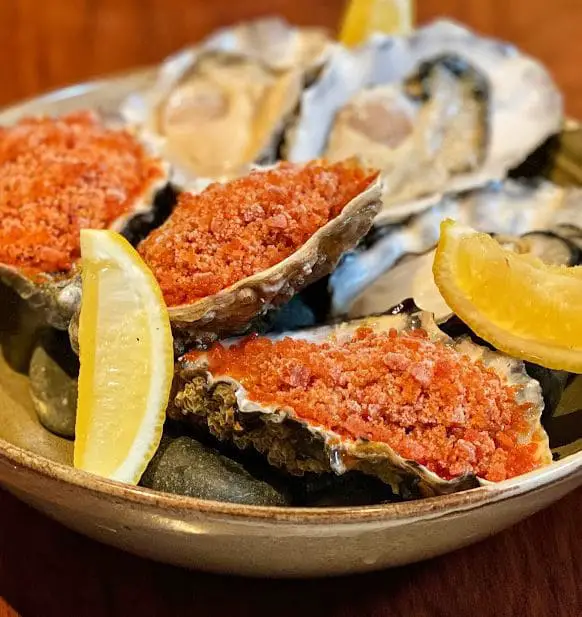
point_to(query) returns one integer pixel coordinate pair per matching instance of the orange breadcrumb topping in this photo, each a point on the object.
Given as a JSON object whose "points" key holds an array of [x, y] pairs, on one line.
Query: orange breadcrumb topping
{"points": [[234, 230], [430, 403], [58, 176]]}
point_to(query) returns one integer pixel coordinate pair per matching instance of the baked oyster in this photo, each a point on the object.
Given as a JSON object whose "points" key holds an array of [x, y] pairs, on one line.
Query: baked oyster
{"points": [[237, 249], [391, 396], [57, 176], [432, 111], [221, 106], [367, 278]]}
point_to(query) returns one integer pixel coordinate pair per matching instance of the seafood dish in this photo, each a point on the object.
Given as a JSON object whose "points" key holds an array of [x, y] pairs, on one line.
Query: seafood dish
{"points": [[257, 240], [58, 176], [285, 192], [369, 395], [220, 106]]}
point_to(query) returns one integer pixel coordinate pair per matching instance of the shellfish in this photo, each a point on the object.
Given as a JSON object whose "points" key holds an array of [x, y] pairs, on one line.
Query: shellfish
{"points": [[58, 175], [432, 111], [368, 279], [444, 414], [219, 107], [235, 250], [412, 276]]}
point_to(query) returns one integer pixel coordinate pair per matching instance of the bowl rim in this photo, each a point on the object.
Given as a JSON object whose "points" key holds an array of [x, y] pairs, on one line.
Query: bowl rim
{"points": [[44, 469], [557, 472]]}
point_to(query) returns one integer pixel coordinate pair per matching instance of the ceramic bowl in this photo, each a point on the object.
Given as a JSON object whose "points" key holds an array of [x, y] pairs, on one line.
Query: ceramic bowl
{"points": [[249, 540]]}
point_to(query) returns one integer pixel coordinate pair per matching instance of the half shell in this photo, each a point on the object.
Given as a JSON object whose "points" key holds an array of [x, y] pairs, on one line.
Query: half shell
{"points": [[56, 296], [221, 404], [219, 107], [508, 208], [412, 276], [232, 310], [433, 110]]}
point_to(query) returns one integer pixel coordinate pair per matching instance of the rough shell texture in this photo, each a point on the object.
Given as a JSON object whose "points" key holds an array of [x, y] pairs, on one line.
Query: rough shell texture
{"points": [[232, 310], [220, 403], [521, 100], [508, 208], [216, 108]]}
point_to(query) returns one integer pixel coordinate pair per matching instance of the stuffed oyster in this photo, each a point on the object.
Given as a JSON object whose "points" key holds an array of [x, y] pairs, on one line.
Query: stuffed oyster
{"points": [[391, 396], [238, 249], [58, 175]]}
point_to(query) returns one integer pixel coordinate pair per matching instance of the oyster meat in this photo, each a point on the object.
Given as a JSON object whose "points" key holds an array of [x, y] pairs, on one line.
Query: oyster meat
{"points": [[432, 111], [236, 250], [217, 108], [58, 175], [440, 413], [370, 278]]}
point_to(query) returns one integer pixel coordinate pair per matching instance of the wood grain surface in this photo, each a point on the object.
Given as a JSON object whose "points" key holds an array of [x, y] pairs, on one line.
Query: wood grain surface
{"points": [[50, 43], [531, 570]]}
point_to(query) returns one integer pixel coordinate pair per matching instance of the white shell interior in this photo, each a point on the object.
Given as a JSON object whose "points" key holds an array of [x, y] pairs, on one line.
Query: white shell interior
{"points": [[510, 208]]}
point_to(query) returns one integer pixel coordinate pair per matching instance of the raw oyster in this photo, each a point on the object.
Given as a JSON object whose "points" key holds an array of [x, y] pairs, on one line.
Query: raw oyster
{"points": [[412, 276], [56, 176], [295, 442], [222, 106], [432, 110], [509, 208], [200, 308]]}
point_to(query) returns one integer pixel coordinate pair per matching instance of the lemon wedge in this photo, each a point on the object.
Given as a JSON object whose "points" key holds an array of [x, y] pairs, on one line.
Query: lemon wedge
{"points": [[514, 301], [364, 17], [127, 360]]}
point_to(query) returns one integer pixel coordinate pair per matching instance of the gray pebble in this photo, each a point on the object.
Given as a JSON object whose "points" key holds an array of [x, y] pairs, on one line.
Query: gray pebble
{"points": [[20, 328], [186, 467], [53, 383]]}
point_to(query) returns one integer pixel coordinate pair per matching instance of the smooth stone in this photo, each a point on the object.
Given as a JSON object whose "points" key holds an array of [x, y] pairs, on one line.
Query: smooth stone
{"points": [[53, 383], [553, 383], [20, 328], [294, 315], [184, 466], [351, 489]]}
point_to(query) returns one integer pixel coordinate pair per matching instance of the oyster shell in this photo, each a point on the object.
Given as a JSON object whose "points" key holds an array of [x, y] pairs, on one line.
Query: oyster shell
{"points": [[433, 110], [217, 108], [274, 41], [508, 208], [412, 276], [220, 403], [56, 295], [233, 309]]}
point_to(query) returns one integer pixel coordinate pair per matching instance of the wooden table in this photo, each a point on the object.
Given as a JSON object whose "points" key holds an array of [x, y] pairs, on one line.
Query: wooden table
{"points": [[534, 569]]}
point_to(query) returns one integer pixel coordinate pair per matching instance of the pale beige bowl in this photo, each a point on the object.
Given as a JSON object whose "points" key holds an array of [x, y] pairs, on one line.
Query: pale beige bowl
{"points": [[277, 542]]}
